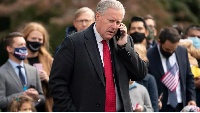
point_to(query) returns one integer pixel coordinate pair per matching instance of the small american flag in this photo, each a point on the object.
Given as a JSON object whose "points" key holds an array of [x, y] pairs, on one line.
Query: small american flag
{"points": [[171, 78]]}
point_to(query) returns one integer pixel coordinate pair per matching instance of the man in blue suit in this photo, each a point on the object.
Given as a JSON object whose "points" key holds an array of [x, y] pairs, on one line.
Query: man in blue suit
{"points": [[167, 52]]}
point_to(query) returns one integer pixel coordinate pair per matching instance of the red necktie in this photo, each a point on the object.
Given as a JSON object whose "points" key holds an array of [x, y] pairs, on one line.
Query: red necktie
{"points": [[110, 104]]}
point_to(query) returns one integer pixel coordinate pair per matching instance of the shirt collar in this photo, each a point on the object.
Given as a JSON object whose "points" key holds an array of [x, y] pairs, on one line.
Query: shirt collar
{"points": [[161, 53], [97, 35], [14, 64], [133, 85]]}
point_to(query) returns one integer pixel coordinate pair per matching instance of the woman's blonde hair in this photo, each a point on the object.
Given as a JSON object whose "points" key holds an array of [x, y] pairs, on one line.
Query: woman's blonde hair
{"points": [[17, 102], [142, 51], [34, 26], [44, 57]]}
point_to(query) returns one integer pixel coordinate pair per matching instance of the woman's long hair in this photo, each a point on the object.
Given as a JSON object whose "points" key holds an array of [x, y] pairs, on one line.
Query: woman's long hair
{"points": [[44, 56]]}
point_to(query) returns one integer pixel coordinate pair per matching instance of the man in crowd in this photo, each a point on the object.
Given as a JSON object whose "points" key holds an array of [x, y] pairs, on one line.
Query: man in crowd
{"points": [[92, 69], [138, 30], [169, 64], [83, 18], [151, 24], [16, 77], [193, 32]]}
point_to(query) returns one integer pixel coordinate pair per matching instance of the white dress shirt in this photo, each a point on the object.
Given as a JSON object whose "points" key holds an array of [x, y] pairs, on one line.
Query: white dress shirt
{"points": [[14, 65], [100, 46]]}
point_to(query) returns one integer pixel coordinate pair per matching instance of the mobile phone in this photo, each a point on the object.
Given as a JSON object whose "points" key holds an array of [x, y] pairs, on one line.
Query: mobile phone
{"points": [[118, 34], [32, 86], [38, 66]]}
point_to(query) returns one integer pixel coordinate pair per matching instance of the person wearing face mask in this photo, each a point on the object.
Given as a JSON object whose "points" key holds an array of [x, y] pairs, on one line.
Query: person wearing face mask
{"points": [[37, 42], [138, 30], [138, 38], [18, 78], [169, 64], [195, 42], [151, 25], [192, 32]]}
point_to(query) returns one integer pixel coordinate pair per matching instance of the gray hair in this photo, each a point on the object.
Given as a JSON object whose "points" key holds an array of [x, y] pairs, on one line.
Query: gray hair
{"points": [[81, 11], [103, 5]]}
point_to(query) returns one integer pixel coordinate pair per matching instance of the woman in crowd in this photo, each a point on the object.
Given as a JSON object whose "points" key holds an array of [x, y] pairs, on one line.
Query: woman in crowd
{"points": [[37, 41]]}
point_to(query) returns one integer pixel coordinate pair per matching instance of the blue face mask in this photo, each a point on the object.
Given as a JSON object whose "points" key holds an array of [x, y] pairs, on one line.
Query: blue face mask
{"points": [[195, 41], [20, 53]]}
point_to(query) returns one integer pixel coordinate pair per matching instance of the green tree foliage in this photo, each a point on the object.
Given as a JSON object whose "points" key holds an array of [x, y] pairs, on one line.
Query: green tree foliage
{"points": [[56, 15]]}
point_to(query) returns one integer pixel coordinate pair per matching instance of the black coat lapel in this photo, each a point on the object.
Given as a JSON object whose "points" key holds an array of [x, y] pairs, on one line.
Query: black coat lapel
{"points": [[115, 63], [178, 57], [158, 61], [92, 48]]}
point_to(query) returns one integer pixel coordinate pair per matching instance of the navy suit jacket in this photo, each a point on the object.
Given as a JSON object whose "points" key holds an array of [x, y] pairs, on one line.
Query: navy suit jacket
{"points": [[186, 77]]}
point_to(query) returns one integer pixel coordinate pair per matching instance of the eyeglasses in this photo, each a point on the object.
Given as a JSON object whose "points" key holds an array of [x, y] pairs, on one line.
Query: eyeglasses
{"points": [[83, 21]]}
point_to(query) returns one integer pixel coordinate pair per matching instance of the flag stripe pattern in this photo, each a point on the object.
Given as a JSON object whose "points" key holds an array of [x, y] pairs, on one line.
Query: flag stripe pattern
{"points": [[171, 78]]}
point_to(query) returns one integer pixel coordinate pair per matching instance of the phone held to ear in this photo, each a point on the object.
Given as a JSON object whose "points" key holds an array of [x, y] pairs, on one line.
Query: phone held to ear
{"points": [[118, 34]]}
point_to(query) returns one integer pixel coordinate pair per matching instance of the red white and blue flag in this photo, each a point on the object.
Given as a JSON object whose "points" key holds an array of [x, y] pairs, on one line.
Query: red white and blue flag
{"points": [[171, 78]]}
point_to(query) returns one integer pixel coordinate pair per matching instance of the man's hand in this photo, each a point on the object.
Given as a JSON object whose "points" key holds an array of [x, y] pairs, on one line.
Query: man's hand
{"points": [[192, 103], [32, 93], [139, 108], [123, 39], [159, 104], [160, 101]]}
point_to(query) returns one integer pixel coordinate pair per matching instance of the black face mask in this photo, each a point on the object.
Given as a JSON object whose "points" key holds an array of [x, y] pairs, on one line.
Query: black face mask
{"points": [[164, 53], [33, 46], [137, 37]]}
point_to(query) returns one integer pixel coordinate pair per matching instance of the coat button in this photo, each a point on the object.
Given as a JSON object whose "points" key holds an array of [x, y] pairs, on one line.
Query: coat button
{"points": [[97, 104], [100, 81], [129, 54]]}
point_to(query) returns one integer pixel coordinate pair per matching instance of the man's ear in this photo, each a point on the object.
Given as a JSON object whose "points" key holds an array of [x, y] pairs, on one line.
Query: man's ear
{"points": [[146, 33], [74, 23], [155, 32], [158, 41], [9, 49], [97, 16]]}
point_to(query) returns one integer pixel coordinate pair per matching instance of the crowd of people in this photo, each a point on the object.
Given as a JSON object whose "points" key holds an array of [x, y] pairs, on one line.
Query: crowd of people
{"points": [[102, 65]]}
